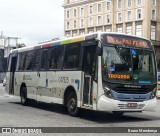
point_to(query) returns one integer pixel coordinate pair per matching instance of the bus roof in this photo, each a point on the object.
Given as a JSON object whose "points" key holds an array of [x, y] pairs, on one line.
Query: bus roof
{"points": [[68, 40]]}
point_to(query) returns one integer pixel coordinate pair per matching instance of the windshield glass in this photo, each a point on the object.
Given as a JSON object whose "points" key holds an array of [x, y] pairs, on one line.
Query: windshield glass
{"points": [[128, 65]]}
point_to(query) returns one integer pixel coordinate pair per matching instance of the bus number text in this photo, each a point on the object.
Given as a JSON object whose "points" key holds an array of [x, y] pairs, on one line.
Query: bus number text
{"points": [[63, 79]]}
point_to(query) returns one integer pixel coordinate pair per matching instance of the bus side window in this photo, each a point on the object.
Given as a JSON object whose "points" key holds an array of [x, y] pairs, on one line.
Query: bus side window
{"points": [[44, 59], [56, 58], [72, 56], [37, 60], [21, 61], [29, 63]]}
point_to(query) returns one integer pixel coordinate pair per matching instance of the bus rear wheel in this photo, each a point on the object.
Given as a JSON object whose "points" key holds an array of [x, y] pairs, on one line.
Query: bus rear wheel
{"points": [[72, 104], [24, 99]]}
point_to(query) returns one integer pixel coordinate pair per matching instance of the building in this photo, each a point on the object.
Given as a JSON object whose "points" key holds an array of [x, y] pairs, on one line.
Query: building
{"points": [[136, 17], [6, 45]]}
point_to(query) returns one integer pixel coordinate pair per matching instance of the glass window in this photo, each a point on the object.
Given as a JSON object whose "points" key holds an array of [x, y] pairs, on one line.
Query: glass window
{"points": [[89, 59], [44, 59], [154, 14], [74, 33], [154, 2], [143, 65], [99, 6], [81, 32], [129, 3], [67, 16], [129, 29], [90, 9], [119, 4], [129, 15], [67, 25], [119, 29], [153, 31], [99, 20], [108, 5], [37, 60], [81, 12], [107, 19], [56, 59], [139, 2], [116, 61], [74, 24], [119, 18], [131, 65], [139, 14], [29, 63], [90, 21], [81, 22], [108, 28], [72, 56], [90, 30], [139, 29], [21, 63], [75, 12]]}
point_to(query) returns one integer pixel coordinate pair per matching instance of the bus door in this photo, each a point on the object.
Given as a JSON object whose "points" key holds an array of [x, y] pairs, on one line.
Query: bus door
{"points": [[89, 69], [42, 74], [11, 73]]}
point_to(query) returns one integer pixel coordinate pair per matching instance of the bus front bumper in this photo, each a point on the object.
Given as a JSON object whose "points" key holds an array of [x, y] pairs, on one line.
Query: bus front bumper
{"points": [[106, 104]]}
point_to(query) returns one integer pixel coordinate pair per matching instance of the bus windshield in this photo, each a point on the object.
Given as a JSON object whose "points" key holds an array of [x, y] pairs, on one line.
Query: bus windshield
{"points": [[128, 65]]}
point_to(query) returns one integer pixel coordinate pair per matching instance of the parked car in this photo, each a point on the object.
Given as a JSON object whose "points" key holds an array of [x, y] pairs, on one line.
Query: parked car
{"points": [[4, 81]]}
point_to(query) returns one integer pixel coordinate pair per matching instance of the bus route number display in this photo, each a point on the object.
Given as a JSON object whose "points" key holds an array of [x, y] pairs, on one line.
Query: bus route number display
{"points": [[128, 42]]}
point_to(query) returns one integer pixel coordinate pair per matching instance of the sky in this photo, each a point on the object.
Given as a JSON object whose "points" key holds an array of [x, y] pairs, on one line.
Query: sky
{"points": [[33, 21]]}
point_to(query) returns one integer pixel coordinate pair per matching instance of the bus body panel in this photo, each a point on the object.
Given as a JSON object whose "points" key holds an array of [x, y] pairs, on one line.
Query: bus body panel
{"points": [[8, 81], [30, 80], [106, 104]]}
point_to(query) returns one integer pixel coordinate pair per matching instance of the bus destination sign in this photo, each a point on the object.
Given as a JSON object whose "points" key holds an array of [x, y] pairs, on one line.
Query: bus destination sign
{"points": [[127, 41]]}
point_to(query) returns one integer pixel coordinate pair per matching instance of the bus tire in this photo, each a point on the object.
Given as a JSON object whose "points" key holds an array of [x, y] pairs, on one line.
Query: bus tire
{"points": [[24, 99], [72, 104]]}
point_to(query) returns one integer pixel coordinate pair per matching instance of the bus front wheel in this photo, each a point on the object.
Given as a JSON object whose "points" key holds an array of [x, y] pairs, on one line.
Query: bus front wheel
{"points": [[24, 100], [72, 104]]}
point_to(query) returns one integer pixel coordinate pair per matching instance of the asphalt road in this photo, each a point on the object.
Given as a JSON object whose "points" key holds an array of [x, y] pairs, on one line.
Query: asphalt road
{"points": [[13, 114]]}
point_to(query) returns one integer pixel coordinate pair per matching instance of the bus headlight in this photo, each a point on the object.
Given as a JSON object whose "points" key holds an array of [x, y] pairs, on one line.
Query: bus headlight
{"points": [[154, 93], [107, 91]]}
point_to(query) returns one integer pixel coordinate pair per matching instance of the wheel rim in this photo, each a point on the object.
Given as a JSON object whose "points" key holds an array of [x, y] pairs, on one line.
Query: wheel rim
{"points": [[72, 104]]}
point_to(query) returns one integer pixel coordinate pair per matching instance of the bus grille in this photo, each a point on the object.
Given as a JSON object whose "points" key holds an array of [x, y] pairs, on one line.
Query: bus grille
{"points": [[125, 106], [132, 90]]}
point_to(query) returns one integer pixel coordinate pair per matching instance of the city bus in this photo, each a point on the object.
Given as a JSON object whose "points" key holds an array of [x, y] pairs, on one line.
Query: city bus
{"points": [[103, 71]]}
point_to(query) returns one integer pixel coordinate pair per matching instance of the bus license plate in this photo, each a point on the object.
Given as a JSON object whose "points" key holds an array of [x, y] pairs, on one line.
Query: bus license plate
{"points": [[132, 105]]}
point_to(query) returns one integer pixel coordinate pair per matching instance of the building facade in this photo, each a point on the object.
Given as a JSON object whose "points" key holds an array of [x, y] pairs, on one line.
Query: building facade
{"points": [[135, 17]]}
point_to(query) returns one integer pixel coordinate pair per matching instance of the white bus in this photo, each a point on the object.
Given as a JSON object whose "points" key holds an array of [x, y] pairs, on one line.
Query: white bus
{"points": [[101, 71]]}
